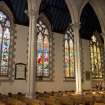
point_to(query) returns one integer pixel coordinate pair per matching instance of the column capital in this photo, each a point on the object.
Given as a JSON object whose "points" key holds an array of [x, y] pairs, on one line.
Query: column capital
{"points": [[31, 12], [75, 25], [33, 7], [103, 34]]}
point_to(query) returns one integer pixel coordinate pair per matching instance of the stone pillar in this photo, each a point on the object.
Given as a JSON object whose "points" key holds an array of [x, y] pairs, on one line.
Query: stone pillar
{"points": [[31, 67], [76, 28]]}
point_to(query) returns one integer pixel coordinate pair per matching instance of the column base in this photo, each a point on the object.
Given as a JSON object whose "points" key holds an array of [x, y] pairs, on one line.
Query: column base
{"points": [[31, 96], [78, 93]]}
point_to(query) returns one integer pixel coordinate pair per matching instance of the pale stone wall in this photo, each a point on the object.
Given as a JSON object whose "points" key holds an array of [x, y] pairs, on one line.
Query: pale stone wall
{"points": [[85, 63], [20, 57], [58, 82]]}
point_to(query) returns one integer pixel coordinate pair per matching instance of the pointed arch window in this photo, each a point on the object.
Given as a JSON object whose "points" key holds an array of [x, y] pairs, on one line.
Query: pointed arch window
{"points": [[44, 47], [69, 67], [5, 42], [97, 55]]}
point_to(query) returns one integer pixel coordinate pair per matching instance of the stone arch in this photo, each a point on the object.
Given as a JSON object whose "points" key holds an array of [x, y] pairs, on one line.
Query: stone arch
{"points": [[4, 8], [33, 6], [96, 7], [100, 17], [70, 4], [82, 7], [49, 37], [45, 20], [96, 10], [73, 11]]}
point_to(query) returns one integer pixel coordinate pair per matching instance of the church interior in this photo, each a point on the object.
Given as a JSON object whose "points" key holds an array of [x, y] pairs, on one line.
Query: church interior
{"points": [[52, 52]]}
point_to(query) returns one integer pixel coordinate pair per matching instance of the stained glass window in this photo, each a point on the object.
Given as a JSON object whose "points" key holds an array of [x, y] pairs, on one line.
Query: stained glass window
{"points": [[69, 54], [4, 44], [43, 51], [97, 51]]}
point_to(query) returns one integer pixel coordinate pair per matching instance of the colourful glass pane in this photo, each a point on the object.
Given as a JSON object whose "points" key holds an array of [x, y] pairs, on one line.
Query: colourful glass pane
{"points": [[39, 55], [99, 58], [46, 32], [0, 47], [93, 38], [4, 71], [46, 56], [7, 24], [67, 73], [95, 48], [66, 59], [66, 36], [96, 60], [5, 52], [4, 43], [40, 43], [71, 48], [40, 22], [2, 17], [46, 45], [71, 57], [98, 50], [1, 31], [42, 50], [6, 34], [69, 54]]}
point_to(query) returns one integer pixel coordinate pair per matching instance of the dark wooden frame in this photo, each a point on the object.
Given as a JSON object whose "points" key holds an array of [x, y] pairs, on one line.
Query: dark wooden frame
{"points": [[21, 66], [88, 75]]}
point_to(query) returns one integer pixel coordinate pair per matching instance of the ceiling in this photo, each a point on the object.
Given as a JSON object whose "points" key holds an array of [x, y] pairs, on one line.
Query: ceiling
{"points": [[57, 13], [89, 22], [18, 7]]}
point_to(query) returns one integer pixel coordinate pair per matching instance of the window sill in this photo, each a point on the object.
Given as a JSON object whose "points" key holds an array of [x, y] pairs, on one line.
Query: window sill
{"points": [[69, 80], [97, 80], [4, 78], [44, 80]]}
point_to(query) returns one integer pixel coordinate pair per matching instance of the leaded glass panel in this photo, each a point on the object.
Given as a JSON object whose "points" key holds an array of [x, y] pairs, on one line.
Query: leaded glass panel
{"points": [[96, 49], [67, 74], [46, 56], [40, 55], [69, 54], [43, 51], [4, 44]]}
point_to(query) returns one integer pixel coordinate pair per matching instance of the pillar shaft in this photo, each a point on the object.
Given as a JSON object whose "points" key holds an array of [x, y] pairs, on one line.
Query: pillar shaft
{"points": [[77, 58], [32, 45]]}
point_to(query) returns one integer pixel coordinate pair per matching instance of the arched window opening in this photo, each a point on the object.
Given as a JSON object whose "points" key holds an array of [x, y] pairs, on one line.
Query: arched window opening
{"points": [[5, 40], [69, 67], [44, 46], [97, 55]]}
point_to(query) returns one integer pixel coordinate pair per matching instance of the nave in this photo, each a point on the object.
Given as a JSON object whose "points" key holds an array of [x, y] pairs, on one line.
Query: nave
{"points": [[52, 52]]}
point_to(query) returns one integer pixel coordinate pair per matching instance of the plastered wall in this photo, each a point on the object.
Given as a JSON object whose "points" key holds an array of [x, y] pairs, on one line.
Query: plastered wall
{"points": [[85, 60], [20, 57], [58, 82]]}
